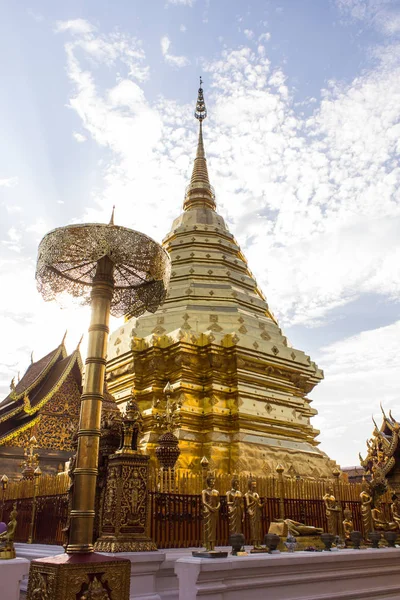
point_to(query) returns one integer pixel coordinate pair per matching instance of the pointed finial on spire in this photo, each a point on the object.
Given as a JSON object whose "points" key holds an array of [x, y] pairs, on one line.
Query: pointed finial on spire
{"points": [[64, 337], [79, 343], [201, 111], [199, 193], [112, 216], [32, 357]]}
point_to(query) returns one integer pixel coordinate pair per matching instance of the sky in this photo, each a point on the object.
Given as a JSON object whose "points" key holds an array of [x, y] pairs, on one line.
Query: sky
{"points": [[302, 140]]}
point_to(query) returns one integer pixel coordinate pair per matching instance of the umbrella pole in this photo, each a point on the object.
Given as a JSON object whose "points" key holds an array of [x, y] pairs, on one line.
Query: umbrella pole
{"points": [[80, 535]]}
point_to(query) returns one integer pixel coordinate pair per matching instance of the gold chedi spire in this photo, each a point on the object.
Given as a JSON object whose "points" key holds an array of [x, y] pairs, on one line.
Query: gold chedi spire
{"points": [[199, 193]]}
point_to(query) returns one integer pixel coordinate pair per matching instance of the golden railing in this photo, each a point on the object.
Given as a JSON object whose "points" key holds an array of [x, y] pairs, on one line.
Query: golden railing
{"points": [[48, 485], [184, 481], [175, 505]]}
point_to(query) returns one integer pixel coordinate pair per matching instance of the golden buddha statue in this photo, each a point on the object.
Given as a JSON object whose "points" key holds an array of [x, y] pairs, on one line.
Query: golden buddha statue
{"points": [[379, 522], [211, 506], [366, 508], [7, 537], [348, 525], [395, 510], [333, 512], [234, 501], [253, 509]]}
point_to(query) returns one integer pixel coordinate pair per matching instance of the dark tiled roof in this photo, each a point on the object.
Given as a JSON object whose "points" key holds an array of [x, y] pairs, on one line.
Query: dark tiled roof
{"points": [[33, 375], [57, 374]]}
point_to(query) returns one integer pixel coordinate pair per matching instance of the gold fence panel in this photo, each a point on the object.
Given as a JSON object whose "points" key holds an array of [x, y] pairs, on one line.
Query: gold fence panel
{"points": [[48, 485]]}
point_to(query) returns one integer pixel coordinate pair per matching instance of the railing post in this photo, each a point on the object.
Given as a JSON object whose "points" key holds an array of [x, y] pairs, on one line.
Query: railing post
{"points": [[281, 491], [4, 483], [37, 473]]}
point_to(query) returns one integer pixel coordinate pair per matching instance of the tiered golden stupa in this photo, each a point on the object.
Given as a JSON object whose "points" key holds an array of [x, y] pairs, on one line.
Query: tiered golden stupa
{"points": [[243, 388]]}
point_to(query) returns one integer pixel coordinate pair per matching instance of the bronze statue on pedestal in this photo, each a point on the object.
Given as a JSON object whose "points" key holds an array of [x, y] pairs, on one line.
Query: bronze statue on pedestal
{"points": [[253, 508], [395, 510], [234, 501], [348, 525], [333, 512], [366, 508], [211, 506], [7, 550], [379, 521]]}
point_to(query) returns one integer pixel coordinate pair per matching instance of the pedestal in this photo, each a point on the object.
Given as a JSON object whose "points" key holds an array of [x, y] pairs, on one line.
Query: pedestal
{"points": [[123, 522], [79, 576], [11, 574]]}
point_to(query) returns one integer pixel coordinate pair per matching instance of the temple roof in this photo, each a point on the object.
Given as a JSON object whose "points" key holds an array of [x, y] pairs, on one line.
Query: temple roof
{"points": [[34, 375], [40, 382]]}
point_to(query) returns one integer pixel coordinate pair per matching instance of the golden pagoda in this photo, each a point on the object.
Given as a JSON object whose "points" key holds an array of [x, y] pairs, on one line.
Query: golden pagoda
{"points": [[243, 389]]}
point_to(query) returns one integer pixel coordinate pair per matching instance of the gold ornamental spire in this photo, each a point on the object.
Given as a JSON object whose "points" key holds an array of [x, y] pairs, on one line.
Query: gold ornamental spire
{"points": [[199, 193]]}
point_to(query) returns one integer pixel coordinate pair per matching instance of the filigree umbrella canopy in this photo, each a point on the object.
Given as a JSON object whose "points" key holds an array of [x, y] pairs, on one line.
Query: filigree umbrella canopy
{"points": [[68, 257]]}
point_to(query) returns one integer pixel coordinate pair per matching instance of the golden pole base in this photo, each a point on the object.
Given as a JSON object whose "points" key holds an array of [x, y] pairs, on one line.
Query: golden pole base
{"points": [[65, 577], [124, 514]]}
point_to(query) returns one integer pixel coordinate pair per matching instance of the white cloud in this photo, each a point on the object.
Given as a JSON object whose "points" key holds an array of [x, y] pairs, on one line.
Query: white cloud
{"points": [[75, 26], [171, 59], [182, 28], [264, 37], [181, 2], [79, 137], [9, 182], [319, 195], [249, 34], [360, 373], [38, 227], [383, 15]]}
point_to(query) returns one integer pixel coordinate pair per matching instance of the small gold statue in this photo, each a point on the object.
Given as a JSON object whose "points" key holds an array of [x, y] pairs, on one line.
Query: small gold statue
{"points": [[211, 506], [348, 525], [395, 510], [366, 508], [333, 512], [7, 549], [379, 521], [253, 509], [234, 501]]}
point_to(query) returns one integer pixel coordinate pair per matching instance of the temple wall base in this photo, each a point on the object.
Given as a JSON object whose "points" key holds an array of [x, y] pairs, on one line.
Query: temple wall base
{"points": [[11, 574], [336, 575], [341, 575]]}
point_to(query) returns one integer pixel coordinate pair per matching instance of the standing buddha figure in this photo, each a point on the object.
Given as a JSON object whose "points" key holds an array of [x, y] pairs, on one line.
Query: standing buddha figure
{"points": [[253, 507], [211, 506], [234, 501], [333, 512], [366, 508]]}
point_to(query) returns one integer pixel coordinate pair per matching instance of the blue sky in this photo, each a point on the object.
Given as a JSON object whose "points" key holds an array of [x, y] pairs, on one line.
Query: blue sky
{"points": [[302, 143]]}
